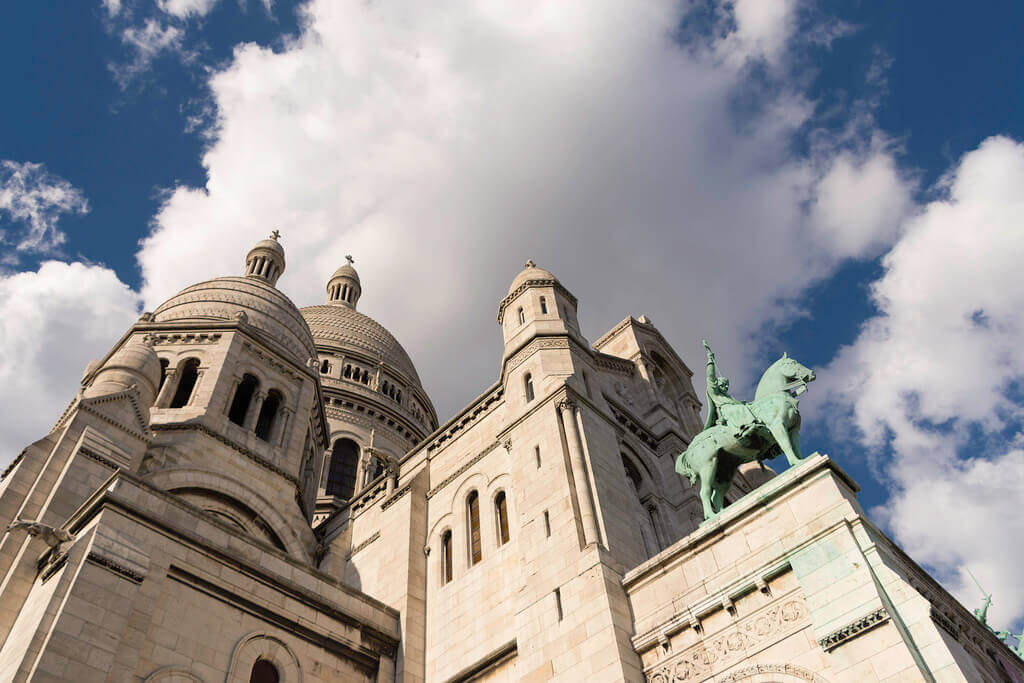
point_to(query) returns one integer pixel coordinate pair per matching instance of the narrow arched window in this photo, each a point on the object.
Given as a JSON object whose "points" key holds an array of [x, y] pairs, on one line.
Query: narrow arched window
{"points": [[473, 517], [378, 468], [163, 372], [243, 397], [366, 377], [263, 671], [187, 376], [446, 557], [522, 316], [341, 474], [348, 372], [325, 367], [398, 395], [543, 306], [268, 414], [501, 517], [528, 385]]}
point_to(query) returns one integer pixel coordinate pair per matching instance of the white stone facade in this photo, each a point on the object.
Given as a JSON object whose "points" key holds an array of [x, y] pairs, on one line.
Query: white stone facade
{"points": [[252, 491]]}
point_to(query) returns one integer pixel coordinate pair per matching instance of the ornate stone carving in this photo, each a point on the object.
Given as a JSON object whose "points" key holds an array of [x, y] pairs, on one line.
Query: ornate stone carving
{"points": [[720, 651], [788, 669], [854, 629]]}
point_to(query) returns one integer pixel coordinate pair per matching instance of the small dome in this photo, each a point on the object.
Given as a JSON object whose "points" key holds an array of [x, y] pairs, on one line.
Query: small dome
{"points": [[530, 272], [346, 271], [253, 299], [135, 363], [265, 261], [346, 327]]}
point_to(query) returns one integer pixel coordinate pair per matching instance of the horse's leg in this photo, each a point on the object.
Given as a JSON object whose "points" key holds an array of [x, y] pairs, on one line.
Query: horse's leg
{"points": [[707, 479], [778, 431], [718, 495], [794, 440]]}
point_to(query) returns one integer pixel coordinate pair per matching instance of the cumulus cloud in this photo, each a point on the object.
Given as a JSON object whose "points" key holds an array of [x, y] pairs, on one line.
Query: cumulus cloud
{"points": [[443, 146], [33, 199], [186, 8], [936, 377], [52, 323]]}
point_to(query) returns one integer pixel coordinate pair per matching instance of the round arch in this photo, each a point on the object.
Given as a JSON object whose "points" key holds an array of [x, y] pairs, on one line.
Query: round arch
{"points": [[175, 478], [262, 645]]}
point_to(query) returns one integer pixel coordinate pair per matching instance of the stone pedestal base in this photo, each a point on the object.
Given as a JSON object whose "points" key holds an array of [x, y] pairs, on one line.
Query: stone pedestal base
{"points": [[793, 583]]}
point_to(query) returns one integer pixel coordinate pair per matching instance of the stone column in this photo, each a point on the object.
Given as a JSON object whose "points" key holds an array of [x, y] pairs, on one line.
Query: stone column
{"points": [[231, 394], [254, 411], [281, 428], [163, 399], [579, 472]]}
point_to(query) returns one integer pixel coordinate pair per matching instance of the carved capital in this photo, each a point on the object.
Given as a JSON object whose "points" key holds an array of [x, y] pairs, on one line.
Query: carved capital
{"points": [[566, 404]]}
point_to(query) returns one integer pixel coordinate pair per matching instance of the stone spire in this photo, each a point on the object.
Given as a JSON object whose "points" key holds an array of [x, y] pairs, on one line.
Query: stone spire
{"points": [[265, 261], [344, 289]]}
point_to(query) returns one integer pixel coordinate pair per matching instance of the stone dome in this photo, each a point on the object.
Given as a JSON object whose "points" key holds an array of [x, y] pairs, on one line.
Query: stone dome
{"points": [[347, 327], [346, 271], [271, 244], [530, 272], [264, 307], [135, 363]]}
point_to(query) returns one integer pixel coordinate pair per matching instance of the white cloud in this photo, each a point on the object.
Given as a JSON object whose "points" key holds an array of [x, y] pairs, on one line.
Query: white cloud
{"points": [[183, 9], [936, 376], [52, 323], [443, 146], [860, 203], [763, 29], [146, 42], [35, 199]]}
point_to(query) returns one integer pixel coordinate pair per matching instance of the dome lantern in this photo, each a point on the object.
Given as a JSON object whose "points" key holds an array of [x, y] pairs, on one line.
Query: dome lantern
{"points": [[344, 288], [265, 261]]}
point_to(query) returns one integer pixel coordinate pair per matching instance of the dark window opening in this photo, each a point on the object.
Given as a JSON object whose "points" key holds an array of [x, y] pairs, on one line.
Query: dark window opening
{"points": [[243, 397], [341, 473], [446, 557], [268, 414], [187, 377], [473, 512], [501, 512], [163, 372], [528, 383], [264, 672], [543, 306]]}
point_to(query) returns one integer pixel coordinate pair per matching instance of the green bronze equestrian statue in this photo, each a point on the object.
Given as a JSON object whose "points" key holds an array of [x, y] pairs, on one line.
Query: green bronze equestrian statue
{"points": [[737, 432]]}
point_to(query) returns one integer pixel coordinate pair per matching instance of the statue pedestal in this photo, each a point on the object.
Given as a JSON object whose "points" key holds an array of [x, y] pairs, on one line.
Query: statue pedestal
{"points": [[792, 582]]}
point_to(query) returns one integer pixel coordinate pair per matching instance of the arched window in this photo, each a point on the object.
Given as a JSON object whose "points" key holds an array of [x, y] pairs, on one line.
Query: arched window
{"points": [[398, 395], [543, 306], [325, 367], [522, 316], [243, 397], [348, 372], [366, 377], [341, 474], [187, 376], [446, 557], [378, 468], [263, 671], [473, 517], [163, 372], [268, 414], [501, 518], [528, 385]]}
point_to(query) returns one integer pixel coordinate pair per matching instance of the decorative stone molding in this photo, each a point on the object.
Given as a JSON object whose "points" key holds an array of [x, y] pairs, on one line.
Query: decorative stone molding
{"points": [[854, 629], [466, 418], [371, 539], [465, 466], [540, 282], [945, 622], [228, 442], [119, 569], [263, 646], [92, 455], [736, 643], [189, 338], [395, 496], [787, 669], [538, 344]]}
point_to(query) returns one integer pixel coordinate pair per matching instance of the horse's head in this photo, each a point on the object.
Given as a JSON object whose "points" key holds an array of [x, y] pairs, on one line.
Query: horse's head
{"points": [[785, 374], [794, 371]]}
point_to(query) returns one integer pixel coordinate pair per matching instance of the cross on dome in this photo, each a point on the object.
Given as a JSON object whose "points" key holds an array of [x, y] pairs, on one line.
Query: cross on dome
{"points": [[349, 259], [530, 264], [275, 234]]}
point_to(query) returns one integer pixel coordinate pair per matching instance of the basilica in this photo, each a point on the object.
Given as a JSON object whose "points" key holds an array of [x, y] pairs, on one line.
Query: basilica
{"points": [[247, 491]]}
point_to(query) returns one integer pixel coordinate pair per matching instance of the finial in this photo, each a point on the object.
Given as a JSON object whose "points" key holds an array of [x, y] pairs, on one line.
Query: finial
{"points": [[275, 234], [531, 264], [349, 259]]}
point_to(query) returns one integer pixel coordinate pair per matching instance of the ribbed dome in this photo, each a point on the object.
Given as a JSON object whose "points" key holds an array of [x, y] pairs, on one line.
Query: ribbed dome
{"points": [[346, 271], [347, 327], [265, 309], [134, 363], [530, 272]]}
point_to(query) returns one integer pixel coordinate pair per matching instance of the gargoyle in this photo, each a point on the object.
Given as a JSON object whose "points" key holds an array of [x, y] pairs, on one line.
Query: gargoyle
{"points": [[51, 535]]}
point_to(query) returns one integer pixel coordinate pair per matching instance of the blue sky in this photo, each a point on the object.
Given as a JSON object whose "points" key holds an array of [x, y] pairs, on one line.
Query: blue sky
{"points": [[839, 180]]}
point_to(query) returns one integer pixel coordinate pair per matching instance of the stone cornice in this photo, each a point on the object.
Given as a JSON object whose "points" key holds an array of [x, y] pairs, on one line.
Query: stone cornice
{"points": [[462, 468]]}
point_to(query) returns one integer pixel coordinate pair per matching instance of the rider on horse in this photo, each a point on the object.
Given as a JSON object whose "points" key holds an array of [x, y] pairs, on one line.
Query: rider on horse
{"points": [[741, 418]]}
